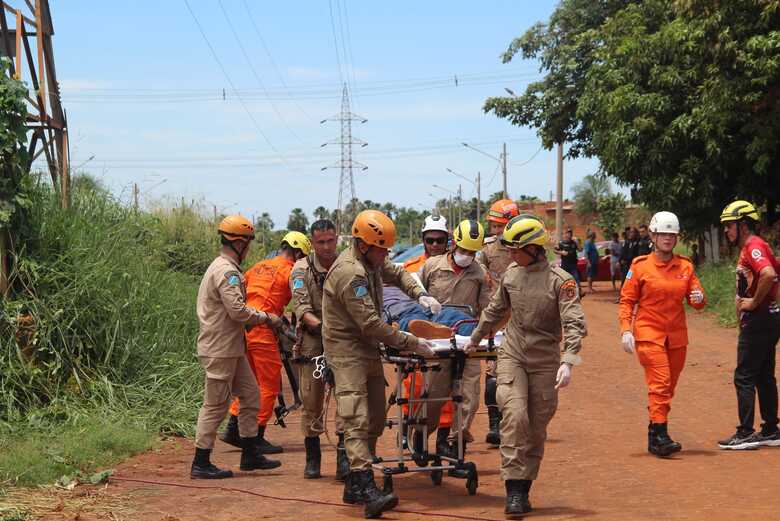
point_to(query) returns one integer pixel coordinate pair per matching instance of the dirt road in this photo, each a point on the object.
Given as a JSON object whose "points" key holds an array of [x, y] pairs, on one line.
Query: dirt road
{"points": [[596, 465]]}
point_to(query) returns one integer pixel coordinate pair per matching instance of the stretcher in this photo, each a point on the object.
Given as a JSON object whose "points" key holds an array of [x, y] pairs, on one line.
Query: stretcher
{"points": [[450, 347]]}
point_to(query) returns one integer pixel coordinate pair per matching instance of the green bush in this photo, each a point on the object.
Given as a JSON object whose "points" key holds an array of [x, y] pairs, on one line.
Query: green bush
{"points": [[719, 286]]}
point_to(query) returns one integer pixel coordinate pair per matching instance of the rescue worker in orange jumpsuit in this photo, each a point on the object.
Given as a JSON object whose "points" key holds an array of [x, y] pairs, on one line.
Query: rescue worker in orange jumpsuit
{"points": [[435, 236], [652, 298], [268, 289], [495, 258]]}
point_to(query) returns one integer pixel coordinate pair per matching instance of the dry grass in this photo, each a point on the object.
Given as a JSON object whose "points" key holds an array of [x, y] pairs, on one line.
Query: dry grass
{"points": [[52, 503]]}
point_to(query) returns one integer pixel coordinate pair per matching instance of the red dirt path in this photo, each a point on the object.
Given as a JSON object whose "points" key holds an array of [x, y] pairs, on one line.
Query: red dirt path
{"points": [[596, 465]]}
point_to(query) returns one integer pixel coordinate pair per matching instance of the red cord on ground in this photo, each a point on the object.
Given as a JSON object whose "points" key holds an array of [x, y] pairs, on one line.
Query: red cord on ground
{"points": [[298, 500]]}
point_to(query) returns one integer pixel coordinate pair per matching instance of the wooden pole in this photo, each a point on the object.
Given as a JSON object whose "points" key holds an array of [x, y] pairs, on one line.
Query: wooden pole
{"points": [[559, 196]]}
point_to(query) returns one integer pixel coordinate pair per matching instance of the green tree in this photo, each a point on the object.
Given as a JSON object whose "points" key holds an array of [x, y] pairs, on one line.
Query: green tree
{"points": [[611, 212], [321, 213], [297, 221], [677, 99], [589, 193]]}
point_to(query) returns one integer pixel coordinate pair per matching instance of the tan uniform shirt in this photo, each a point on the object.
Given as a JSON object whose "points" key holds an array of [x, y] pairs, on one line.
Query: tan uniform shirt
{"points": [[352, 303], [495, 258], [469, 288], [544, 303], [306, 282], [222, 310]]}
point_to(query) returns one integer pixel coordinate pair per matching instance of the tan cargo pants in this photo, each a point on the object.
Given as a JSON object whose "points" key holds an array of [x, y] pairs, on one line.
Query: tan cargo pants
{"points": [[312, 392], [527, 402], [360, 403], [226, 377]]}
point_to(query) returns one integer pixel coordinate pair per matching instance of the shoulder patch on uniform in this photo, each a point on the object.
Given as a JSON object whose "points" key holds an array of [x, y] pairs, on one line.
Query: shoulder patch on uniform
{"points": [[629, 274], [569, 289], [297, 283], [233, 278], [360, 287]]}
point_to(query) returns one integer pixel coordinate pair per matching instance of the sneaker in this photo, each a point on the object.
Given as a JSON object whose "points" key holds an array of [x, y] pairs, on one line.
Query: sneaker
{"points": [[763, 439], [739, 441]]}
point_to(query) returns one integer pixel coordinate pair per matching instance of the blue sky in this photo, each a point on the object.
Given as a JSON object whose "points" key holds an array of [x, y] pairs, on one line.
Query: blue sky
{"points": [[143, 93]]}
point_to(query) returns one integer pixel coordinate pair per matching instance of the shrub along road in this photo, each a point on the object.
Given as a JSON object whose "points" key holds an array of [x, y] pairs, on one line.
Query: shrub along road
{"points": [[596, 465]]}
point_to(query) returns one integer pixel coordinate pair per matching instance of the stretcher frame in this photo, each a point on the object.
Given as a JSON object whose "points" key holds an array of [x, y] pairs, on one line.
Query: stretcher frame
{"points": [[433, 463]]}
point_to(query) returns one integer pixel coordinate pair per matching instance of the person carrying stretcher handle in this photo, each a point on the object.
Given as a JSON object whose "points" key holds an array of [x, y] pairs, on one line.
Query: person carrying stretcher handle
{"points": [[545, 308], [352, 329]]}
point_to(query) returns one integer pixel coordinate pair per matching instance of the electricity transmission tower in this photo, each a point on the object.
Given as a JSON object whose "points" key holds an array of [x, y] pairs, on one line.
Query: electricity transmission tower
{"points": [[347, 165]]}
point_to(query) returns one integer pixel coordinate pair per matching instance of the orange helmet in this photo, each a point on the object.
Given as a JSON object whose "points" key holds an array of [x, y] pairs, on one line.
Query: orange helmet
{"points": [[502, 210], [236, 227], [374, 228]]}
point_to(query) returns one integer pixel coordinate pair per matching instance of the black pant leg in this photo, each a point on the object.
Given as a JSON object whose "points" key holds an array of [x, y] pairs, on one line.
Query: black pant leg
{"points": [[746, 377], [767, 383]]}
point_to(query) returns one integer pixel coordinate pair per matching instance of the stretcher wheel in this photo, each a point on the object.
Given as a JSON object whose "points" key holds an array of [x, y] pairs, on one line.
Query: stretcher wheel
{"points": [[436, 477], [472, 479], [387, 484]]}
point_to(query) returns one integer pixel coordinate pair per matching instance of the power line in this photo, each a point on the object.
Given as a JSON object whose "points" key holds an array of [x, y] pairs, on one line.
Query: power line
{"points": [[230, 82], [271, 58], [254, 72], [335, 41]]}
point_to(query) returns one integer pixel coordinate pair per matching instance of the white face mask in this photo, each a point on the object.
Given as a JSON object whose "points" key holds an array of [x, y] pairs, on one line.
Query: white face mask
{"points": [[464, 261]]}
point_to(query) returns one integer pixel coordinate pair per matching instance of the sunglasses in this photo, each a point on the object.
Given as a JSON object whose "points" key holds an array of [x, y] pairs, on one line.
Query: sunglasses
{"points": [[436, 240]]}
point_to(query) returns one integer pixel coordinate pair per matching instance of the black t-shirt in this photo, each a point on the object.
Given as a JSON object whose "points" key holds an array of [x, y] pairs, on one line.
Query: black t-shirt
{"points": [[569, 247], [630, 252], [645, 246]]}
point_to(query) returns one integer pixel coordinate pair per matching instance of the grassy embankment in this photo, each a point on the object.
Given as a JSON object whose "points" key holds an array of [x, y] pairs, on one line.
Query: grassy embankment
{"points": [[97, 343]]}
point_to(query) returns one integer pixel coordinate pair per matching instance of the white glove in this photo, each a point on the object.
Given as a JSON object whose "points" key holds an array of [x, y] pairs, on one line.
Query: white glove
{"points": [[563, 378], [629, 344], [428, 302], [425, 348], [470, 347], [696, 296]]}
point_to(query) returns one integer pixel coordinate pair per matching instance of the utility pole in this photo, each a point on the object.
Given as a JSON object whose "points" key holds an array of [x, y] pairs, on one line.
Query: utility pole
{"points": [[215, 213], [559, 196], [503, 168], [479, 197], [452, 215], [346, 164], [460, 205], [135, 196]]}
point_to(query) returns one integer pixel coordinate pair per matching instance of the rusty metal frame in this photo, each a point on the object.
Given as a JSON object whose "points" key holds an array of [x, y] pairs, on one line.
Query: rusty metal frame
{"points": [[46, 121]]}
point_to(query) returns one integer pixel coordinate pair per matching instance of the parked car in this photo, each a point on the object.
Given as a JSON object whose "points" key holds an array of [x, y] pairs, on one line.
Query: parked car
{"points": [[603, 269]]}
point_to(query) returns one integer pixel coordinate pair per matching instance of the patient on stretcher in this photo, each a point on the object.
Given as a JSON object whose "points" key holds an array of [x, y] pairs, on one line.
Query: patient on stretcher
{"points": [[399, 308]]}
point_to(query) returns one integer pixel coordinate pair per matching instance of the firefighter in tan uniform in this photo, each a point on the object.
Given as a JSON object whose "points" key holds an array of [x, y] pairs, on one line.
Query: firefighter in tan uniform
{"points": [[223, 316], [352, 328], [456, 279], [543, 302], [306, 282], [495, 258]]}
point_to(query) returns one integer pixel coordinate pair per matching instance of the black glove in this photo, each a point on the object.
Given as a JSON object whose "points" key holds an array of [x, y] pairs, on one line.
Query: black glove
{"points": [[329, 377]]}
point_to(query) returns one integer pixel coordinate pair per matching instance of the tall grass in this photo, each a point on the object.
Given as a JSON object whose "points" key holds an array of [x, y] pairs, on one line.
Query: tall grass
{"points": [[100, 330], [719, 285]]}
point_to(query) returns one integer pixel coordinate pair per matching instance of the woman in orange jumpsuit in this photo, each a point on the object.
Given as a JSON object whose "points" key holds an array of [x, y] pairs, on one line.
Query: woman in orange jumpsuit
{"points": [[652, 298]]}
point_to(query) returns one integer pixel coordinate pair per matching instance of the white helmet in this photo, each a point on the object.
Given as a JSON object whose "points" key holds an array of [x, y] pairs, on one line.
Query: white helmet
{"points": [[435, 223], [664, 222]]}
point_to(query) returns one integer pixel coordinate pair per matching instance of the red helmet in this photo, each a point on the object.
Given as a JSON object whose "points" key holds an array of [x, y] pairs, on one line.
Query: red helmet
{"points": [[502, 211]]}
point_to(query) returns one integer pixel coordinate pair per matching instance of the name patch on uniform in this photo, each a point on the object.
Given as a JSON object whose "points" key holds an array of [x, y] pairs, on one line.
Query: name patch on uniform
{"points": [[233, 278], [297, 283], [569, 289]]}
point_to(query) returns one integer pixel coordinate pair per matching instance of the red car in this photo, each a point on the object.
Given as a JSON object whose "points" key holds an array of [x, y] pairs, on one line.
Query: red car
{"points": [[603, 270]]}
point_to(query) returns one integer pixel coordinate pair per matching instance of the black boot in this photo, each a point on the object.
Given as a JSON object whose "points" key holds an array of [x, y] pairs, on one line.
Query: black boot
{"points": [[494, 421], [494, 415], [313, 457], [458, 473], [202, 467], [265, 446], [442, 447], [659, 442], [417, 444], [375, 501], [526, 495], [342, 463], [252, 457], [231, 436], [352, 493], [514, 498]]}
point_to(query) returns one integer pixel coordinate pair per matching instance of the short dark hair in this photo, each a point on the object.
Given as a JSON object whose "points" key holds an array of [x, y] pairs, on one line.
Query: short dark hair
{"points": [[322, 225], [643, 226]]}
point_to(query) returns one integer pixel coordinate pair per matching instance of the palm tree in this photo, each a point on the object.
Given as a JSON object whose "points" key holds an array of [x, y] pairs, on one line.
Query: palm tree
{"points": [[297, 221], [321, 213], [589, 192]]}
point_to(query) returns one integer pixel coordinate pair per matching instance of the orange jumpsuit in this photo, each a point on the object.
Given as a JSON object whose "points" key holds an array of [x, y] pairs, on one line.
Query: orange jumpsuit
{"points": [[267, 289], [658, 290], [445, 417]]}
